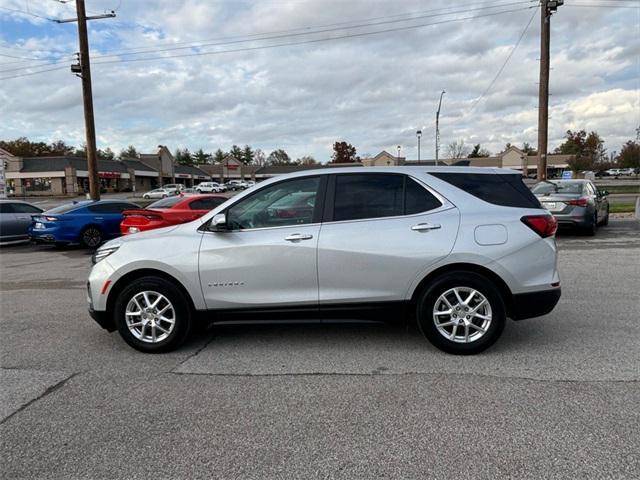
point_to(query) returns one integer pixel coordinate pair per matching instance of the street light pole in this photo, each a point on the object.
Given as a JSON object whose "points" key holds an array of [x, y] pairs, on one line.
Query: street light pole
{"points": [[438, 127], [398, 154], [419, 134]]}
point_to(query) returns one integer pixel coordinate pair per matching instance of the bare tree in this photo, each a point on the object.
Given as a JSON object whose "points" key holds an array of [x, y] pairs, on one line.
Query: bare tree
{"points": [[457, 149]]}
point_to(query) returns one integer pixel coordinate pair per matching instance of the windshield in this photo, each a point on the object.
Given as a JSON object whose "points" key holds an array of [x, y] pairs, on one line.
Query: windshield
{"points": [[165, 202], [563, 188]]}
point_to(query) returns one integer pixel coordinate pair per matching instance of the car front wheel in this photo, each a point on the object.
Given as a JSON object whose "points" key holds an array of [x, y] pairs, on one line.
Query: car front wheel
{"points": [[152, 315], [461, 313]]}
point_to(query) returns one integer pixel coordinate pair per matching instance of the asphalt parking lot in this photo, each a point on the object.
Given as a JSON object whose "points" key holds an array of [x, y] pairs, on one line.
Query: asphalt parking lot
{"points": [[556, 397]]}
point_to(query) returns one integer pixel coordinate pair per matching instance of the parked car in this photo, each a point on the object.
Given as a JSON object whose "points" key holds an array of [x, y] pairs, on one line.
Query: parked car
{"points": [[613, 172], [158, 193], [461, 248], [174, 188], [168, 211], [210, 187], [88, 223], [250, 183], [236, 185], [575, 203], [15, 220], [627, 171]]}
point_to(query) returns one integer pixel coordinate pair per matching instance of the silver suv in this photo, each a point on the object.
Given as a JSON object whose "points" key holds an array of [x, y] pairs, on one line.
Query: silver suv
{"points": [[456, 249]]}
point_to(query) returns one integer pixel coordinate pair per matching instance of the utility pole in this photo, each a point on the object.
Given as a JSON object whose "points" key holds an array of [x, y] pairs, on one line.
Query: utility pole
{"points": [[547, 7], [87, 94], [438, 127]]}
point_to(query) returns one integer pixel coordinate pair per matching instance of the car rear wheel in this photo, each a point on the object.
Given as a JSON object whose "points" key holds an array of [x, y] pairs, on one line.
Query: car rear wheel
{"points": [[152, 315], [461, 313], [91, 237], [592, 228]]}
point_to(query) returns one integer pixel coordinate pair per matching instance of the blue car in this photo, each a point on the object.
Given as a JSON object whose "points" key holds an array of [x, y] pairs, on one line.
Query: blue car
{"points": [[88, 223]]}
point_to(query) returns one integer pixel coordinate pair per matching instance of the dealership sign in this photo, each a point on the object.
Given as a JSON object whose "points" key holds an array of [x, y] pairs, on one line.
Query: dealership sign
{"points": [[109, 174]]}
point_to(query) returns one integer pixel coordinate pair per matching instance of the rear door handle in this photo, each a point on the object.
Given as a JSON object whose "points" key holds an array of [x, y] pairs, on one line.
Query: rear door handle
{"points": [[296, 237], [421, 227]]}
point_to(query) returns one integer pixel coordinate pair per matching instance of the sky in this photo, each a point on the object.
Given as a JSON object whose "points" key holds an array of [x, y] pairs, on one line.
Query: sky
{"points": [[369, 72]]}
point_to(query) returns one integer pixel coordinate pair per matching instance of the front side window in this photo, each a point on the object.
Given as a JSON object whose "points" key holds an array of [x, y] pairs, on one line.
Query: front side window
{"points": [[287, 203], [206, 203]]}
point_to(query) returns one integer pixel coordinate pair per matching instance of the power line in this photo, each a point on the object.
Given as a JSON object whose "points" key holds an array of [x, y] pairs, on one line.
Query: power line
{"points": [[199, 43], [26, 12], [34, 73], [506, 60], [362, 25]]}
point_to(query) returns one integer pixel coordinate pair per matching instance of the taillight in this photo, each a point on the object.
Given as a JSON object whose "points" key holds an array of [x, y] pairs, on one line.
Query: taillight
{"points": [[580, 202], [543, 225], [51, 219]]}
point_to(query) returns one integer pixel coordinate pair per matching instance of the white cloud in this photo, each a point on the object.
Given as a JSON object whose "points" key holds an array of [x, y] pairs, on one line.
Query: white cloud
{"points": [[374, 92]]}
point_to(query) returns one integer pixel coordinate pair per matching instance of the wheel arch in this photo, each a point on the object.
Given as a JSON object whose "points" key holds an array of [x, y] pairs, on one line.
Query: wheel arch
{"points": [[129, 277], [503, 288]]}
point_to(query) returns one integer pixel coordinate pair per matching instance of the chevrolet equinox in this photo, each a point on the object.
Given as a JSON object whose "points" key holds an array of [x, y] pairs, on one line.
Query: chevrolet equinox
{"points": [[457, 249]]}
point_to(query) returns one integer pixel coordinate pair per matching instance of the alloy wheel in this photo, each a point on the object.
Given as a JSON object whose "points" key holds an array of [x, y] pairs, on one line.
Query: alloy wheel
{"points": [[462, 315], [91, 237], [150, 316]]}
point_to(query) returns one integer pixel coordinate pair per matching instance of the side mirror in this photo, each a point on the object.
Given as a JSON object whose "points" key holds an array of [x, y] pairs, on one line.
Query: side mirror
{"points": [[604, 193], [219, 223]]}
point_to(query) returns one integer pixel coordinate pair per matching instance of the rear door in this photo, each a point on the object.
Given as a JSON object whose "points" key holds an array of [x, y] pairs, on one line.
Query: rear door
{"points": [[380, 231], [9, 226], [23, 213]]}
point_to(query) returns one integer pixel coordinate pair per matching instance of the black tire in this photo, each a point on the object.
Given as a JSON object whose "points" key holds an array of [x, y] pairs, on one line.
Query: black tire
{"points": [[182, 314], [592, 228], [464, 279], [91, 237]]}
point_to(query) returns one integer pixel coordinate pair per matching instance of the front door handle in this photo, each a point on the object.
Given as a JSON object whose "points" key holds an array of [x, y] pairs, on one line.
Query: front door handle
{"points": [[296, 237], [422, 227]]}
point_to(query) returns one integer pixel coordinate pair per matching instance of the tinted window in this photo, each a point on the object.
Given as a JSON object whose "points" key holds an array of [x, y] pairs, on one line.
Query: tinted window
{"points": [[206, 203], [66, 208], [111, 207], [24, 208], [418, 199], [166, 202], [368, 196], [262, 209], [500, 189], [546, 188], [6, 208]]}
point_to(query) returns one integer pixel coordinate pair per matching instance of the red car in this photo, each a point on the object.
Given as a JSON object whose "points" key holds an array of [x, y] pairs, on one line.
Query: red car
{"points": [[168, 211]]}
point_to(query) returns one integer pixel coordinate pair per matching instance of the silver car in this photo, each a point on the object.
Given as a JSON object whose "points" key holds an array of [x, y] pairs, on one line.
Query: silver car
{"points": [[575, 203], [459, 249], [15, 220]]}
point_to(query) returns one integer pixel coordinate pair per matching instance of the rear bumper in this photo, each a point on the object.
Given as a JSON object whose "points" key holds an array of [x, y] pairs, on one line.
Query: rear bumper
{"points": [[535, 304]]}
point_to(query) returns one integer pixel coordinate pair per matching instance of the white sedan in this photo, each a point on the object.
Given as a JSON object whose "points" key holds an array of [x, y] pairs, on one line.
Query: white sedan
{"points": [[157, 193]]}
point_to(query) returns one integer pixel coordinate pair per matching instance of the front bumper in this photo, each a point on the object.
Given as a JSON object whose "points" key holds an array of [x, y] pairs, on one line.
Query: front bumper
{"points": [[103, 319], [534, 304]]}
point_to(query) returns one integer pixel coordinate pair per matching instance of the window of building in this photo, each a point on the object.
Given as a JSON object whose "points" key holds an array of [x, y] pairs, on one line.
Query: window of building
{"points": [[37, 184]]}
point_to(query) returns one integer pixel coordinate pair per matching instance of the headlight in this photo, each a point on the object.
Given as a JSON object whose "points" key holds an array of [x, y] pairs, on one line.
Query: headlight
{"points": [[103, 253]]}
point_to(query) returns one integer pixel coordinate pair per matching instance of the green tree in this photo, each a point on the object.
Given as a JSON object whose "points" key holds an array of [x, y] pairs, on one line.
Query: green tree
{"points": [[218, 156], [129, 152], [247, 155], [200, 157], [106, 154], [629, 156], [183, 156], [478, 152], [279, 157], [528, 149], [344, 152], [23, 147], [588, 149], [236, 151]]}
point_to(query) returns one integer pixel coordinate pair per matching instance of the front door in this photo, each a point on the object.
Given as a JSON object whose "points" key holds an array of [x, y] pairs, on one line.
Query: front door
{"points": [[267, 256], [384, 230]]}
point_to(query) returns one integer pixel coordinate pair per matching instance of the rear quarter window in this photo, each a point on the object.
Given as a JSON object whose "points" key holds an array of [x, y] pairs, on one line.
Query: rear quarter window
{"points": [[499, 189]]}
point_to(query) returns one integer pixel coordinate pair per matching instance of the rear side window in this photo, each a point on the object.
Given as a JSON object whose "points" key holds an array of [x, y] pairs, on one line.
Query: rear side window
{"points": [[206, 203], [166, 202], [25, 208], [380, 195], [111, 207], [6, 208], [499, 189], [368, 196], [65, 208]]}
